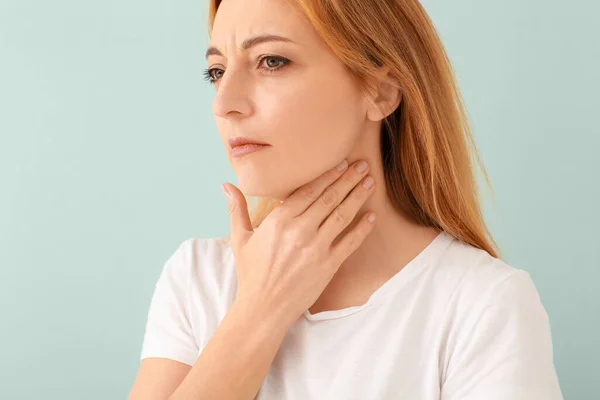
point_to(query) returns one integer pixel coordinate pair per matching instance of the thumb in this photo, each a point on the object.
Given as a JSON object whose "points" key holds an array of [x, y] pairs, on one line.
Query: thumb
{"points": [[239, 220]]}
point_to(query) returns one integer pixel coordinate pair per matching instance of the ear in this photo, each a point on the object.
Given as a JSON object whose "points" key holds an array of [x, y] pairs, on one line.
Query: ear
{"points": [[384, 97]]}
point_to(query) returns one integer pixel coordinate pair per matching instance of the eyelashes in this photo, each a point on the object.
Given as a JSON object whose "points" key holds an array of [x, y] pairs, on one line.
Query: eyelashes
{"points": [[208, 72]]}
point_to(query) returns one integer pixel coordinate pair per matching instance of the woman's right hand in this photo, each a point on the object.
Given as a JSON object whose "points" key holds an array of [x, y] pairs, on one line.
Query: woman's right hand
{"points": [[285, 265]]}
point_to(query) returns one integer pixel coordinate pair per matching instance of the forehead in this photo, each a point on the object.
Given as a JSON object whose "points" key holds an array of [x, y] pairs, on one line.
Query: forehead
{"points": [[237, 20]]}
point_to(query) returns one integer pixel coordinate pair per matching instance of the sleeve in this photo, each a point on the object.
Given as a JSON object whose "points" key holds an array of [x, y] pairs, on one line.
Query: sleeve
{"points": [[168, 332], [505, 350]]}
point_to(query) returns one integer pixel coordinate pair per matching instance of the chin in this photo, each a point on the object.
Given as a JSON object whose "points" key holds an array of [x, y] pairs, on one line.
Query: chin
{"points": [[264, 189]]}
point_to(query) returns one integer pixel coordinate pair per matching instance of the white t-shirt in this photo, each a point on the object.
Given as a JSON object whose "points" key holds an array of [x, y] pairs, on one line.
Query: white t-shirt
{"points": [[453, 324]]}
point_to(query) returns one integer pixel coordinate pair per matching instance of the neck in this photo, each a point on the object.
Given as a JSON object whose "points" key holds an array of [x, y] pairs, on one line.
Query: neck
{"points": [[392, 243]]}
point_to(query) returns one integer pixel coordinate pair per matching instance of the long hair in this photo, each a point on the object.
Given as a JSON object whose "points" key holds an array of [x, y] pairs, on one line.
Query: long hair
{"points": [[427, 147]]}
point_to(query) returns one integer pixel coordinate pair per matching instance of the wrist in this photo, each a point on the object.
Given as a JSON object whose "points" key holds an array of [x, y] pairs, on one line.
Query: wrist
{"points": [[254, 315]]}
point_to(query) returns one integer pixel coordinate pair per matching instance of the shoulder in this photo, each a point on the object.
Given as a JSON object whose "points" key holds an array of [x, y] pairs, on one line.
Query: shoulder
{"points": [[485, 295], [185, 305], [204, 266], [496, 331], [471, 274], [471, 284], [201, 257], [196, 249]]}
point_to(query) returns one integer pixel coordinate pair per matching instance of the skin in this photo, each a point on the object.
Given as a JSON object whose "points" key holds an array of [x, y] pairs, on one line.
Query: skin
{"points": [[313, 115]]}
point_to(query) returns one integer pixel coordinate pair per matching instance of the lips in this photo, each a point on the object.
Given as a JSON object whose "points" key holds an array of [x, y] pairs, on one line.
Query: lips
{"points": [[241, 141], [239, 151]]}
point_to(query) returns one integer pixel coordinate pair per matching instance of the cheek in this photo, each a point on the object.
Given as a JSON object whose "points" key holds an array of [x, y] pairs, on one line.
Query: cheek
{"points": [[312, 126], [315, 116]]}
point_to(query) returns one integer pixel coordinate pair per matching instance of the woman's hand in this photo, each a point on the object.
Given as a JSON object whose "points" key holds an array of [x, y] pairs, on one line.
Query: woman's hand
{"points": [[284, 266]]}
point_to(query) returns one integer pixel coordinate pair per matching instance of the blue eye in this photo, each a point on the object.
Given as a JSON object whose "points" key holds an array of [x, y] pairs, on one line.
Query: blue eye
{"points": [[208, 72]]}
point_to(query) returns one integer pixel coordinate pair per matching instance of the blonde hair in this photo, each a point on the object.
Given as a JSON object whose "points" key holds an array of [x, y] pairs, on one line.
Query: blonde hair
{"points": [[426, 143]]}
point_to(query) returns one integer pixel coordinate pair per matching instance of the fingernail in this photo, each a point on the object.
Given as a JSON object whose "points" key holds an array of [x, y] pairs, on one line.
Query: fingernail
{"points": [[342, 166], [225, 191], [361, 167]]}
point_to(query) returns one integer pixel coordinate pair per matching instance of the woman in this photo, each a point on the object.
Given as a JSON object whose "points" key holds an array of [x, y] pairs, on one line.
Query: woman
{"points": [[310, 299]]}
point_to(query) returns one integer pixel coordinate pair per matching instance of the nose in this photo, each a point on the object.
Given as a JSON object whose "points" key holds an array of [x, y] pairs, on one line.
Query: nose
{"points": [[233, 94]]}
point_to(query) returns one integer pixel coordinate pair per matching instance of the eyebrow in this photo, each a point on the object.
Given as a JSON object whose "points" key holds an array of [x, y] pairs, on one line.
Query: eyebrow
{"points": [[248, 43]]}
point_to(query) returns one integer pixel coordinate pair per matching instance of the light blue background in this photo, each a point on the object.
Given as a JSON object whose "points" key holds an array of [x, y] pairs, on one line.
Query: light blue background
{"points": [[110, 158]]}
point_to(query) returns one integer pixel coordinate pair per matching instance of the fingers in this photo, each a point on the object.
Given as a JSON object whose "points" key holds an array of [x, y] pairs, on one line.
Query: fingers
{"points": [[302, 198], [327, 204], [351, 240], [239, 220], [345, 213]]}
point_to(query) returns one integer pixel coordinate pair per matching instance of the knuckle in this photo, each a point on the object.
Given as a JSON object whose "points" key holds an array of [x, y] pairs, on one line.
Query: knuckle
{"points": [[339, 216], [352, 241], [329, 198], [310, 191], [297, 233], [362, 195], [348, 177], [301, 230], [301, 239]]}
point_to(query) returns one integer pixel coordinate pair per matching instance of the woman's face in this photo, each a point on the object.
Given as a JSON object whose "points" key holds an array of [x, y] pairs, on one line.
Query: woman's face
{"points": [[300, 99]]}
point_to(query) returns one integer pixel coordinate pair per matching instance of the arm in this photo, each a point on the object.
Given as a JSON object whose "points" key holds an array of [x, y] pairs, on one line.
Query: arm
{"points": [[169, 348], [236, 359], [157, 378], [233, 362]]}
